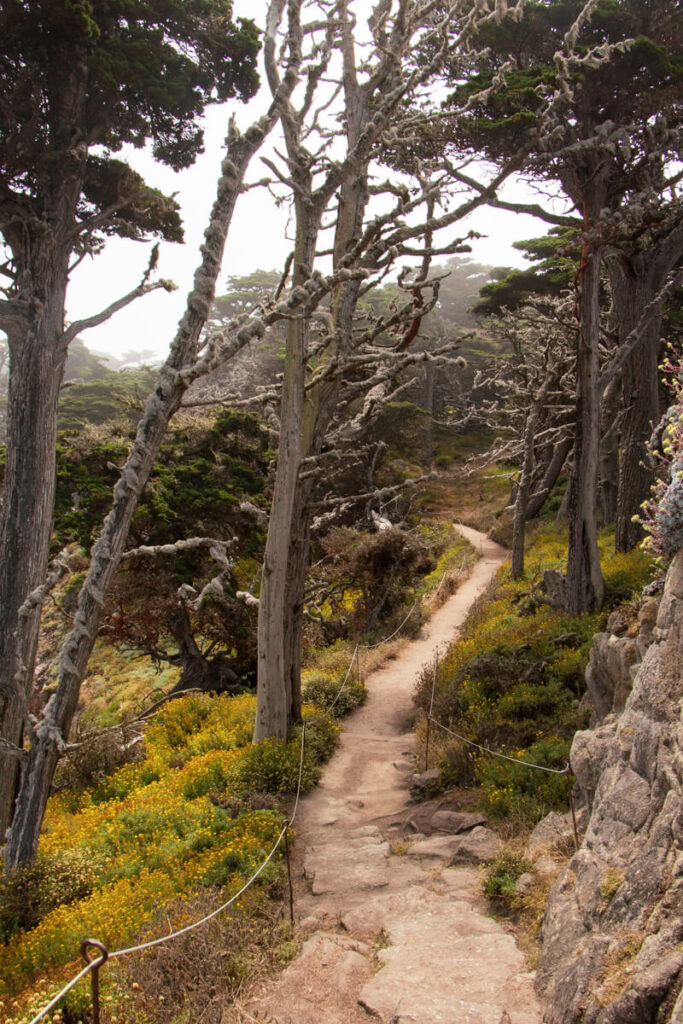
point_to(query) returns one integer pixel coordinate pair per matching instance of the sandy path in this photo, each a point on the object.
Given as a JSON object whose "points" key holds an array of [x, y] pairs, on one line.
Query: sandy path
{"points": [[397, 936]]}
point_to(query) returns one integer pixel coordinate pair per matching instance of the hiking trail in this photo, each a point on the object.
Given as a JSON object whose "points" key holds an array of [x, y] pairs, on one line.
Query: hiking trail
{"points": [[396, 936]]}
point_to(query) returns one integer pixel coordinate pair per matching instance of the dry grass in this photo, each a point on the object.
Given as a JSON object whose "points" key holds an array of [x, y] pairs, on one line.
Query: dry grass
{"points": [[618, 964], [195, 978]]}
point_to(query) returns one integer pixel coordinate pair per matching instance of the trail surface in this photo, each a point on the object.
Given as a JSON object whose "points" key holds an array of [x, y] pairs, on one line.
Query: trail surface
{"points": [[401, 937]]}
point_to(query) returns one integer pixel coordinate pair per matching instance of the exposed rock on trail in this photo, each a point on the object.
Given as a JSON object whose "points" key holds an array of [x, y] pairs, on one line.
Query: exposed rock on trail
{"points": [[395, 934]]}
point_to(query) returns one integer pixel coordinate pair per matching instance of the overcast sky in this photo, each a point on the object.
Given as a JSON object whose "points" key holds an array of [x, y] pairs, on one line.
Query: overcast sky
{"points": [[257, 238]]}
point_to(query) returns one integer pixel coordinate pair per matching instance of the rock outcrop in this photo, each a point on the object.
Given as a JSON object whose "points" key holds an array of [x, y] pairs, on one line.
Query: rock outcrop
{"points": [[613, 931], [615, 658]]}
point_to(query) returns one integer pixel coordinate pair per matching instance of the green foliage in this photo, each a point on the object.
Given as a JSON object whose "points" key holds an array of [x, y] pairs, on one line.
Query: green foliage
{"points": [[634, 84], [322, 733], [202, 470], [555, 258], [185, 817], [331, 693], [502, 874], [508, 787], [104, 396], [513, 681], [147, 71], [381, 566]]}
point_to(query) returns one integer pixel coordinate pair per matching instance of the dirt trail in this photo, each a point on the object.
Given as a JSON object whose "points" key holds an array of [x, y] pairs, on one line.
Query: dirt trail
{"points": [[398, 936]]}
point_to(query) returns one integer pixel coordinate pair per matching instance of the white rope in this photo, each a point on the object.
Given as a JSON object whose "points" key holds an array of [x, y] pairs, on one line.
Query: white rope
{"points": [[496, 753], [196, 924], [203, 920], [346, 679], [301, 770], [371, 647]]}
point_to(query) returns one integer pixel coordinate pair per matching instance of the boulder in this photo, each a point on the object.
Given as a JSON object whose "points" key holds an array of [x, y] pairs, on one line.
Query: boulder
{"points": [[476, 847], [455, 821], [608, 674], [425, 782], [524, 883], [435, 848], [553, 832]]}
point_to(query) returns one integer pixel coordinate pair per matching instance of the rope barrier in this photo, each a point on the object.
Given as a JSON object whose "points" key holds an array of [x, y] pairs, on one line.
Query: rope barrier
{"points": [[371, 647], [346, 678], [497, 753], [95, 964]]}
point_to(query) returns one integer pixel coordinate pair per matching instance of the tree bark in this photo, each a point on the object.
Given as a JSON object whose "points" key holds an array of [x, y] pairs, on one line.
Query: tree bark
{"points": [[609, 454], [552, 472], [37, 369], [180, 370], [634, 285], [585, 586]]}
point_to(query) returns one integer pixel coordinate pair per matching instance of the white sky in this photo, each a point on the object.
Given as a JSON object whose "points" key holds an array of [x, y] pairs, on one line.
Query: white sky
{"points": [[256, 240]]}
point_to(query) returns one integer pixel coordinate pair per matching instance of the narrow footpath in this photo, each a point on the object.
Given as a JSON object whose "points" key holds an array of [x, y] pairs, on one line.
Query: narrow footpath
{"points": [[393, 933]]}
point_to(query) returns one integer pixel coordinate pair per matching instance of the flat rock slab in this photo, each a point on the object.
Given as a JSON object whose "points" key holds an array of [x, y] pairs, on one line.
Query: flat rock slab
{"points": [[475, 847], [435, 848], [454, 822], [360, 869], [340, 847], [326, 974], [450, 942]]}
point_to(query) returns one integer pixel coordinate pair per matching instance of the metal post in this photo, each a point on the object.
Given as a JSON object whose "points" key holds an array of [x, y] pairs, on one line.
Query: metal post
{"points": [[431, 708], [289, 875], [576, 831], [94, 973]]}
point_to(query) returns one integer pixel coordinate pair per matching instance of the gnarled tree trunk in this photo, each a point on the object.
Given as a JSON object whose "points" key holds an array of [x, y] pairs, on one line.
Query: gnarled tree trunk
{"points": [[585, 588], [37, 369]]}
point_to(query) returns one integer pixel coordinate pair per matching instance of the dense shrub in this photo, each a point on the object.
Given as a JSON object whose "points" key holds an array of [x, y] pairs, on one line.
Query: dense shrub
{"points": [[54, 880], [501, 876], [513, 681], [332, 693]]}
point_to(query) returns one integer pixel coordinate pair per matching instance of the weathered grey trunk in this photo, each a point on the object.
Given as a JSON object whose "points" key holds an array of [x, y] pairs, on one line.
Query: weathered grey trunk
{"points": [[549, 479], [521, 513], [179, 371], [428, 406], [278, 598], [608, 475], [584, 585], [522, 496], [36, 371], [633, 287], [305, 418]]}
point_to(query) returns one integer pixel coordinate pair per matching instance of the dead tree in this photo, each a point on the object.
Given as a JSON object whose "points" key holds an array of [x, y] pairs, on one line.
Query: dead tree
{"points": [[331, 364]]}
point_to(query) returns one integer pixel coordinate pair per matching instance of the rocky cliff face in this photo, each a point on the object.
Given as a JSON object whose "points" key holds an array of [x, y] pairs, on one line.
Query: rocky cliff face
{"points": [[613, 931]]}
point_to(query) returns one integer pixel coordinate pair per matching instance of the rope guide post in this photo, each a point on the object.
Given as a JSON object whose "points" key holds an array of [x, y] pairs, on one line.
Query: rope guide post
{"points": [[431, 708], [289, 873], [571, 804], [95, 973]]}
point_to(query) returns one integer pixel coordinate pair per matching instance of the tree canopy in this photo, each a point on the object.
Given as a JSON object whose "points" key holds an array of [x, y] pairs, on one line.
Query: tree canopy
{"points": [[76, 74]]}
